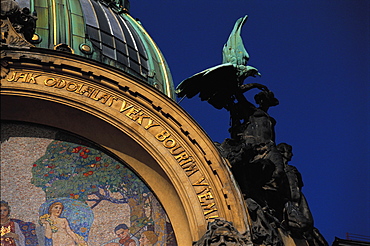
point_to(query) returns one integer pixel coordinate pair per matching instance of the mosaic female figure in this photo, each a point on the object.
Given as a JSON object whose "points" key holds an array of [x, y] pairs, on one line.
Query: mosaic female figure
{"points": [[57, 229]]}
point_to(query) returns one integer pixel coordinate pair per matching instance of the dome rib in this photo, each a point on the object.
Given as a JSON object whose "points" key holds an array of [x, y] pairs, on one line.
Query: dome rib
{"points": [[113, 38], [116, 27], [89, 13]]}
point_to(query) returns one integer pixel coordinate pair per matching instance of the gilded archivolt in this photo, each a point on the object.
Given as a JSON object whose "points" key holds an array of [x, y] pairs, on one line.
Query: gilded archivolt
{"points": [[186, 154]]}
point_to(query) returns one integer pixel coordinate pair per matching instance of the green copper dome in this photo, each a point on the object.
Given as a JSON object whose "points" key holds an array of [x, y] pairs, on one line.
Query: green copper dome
{"points": [[101, 30]]}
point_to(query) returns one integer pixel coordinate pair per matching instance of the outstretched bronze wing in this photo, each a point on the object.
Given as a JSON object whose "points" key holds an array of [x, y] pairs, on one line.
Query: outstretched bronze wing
{"points": [[218, 84], [210, 84]]}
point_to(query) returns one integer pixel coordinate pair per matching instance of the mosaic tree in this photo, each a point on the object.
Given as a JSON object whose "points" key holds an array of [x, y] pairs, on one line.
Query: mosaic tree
{"points": [[87, 174]]}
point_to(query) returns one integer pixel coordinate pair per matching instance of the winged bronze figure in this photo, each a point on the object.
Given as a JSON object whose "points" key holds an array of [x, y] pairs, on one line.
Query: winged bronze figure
{"points": [[220, 83]]}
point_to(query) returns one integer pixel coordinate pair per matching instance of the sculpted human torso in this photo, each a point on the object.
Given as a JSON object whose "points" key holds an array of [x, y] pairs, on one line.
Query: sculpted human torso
{"points": [[259, 129]]}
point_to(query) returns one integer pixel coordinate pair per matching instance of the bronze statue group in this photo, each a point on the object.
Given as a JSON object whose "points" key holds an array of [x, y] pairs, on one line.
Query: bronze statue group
{"points": [[272, 188]]}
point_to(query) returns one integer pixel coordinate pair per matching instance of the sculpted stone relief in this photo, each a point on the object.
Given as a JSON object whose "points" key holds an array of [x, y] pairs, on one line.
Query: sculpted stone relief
{"points": [[17, 25], [222, 233]]}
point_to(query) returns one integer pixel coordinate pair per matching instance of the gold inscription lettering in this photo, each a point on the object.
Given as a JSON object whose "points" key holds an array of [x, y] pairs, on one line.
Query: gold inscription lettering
{"points": [[94, 94], [22, 75], [206, 201], [78, 88], [185, 161], [72, 86], [50, 82], [190, 169], [111, 100], [212, 217], [89, 90], [61, 84], [176, 148], [162, 135], [205, 197], [169, 143], [31, 78], [201, 191], [133, 111], [123, 106], [200, 182], [139, 117], [103, 98], [12, 77], [210, 208], [182, 156], [150, 124], [78, 91]]}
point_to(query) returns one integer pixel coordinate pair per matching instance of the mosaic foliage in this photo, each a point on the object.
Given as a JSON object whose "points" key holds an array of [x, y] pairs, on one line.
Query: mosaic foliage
{"points": [[76, 171]]}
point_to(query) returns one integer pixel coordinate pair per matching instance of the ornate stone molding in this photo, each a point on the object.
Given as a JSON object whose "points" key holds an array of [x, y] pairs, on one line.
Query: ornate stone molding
{"points": [[17, 25], [10, 37]]}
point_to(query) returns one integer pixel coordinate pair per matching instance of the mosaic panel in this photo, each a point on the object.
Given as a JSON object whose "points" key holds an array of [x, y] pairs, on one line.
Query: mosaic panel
{"points": [[59, 189]]}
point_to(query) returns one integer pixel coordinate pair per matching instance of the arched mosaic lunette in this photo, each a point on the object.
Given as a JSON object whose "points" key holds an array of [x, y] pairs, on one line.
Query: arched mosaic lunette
{"points": [[97, 192]]}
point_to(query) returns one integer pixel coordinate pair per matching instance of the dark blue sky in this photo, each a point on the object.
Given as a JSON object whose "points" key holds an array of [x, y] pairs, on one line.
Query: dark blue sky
{"points": [[314, 55]]}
